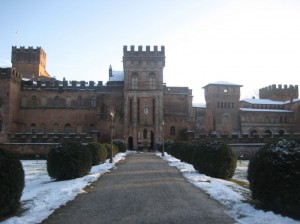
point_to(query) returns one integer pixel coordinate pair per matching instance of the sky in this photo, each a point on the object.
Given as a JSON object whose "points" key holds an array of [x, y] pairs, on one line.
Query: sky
{"points": [[253, 43], [41, 196]]}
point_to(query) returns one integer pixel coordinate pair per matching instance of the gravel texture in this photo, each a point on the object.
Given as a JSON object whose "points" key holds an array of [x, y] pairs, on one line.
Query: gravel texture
{"points": [[142, 189]]}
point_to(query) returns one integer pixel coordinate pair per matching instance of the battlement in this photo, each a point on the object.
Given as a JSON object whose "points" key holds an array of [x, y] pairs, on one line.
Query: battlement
{"points": [[143, 53], [29, 50], [10, 73], [279, 93], [58, 85]]}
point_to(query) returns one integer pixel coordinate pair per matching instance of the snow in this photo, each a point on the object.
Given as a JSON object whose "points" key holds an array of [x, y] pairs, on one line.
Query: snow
{"points": [[231, 195], [263, 101], [42, 195], [266, 110]]}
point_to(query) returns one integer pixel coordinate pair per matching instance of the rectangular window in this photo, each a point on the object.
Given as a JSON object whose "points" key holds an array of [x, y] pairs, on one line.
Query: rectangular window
{"points": [[134, 82], [153, 112], [152, 83], [138, 111], [130, 110]]}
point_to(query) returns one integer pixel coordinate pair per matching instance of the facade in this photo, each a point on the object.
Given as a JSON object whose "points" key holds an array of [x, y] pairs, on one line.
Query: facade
{"points": [[38, 109]]}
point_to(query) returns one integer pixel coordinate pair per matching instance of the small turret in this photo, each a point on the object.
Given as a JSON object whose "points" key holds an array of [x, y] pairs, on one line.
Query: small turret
{"points": [[110, 71]]}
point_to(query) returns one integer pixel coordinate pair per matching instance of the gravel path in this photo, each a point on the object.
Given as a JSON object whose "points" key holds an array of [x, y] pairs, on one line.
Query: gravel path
{"points": [[142, 189]]}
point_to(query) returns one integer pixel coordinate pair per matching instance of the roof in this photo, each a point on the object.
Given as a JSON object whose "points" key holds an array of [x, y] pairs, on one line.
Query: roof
{"points": [[200, 105], [263, 101], [264, 110], [222, 83], [117, 76]]}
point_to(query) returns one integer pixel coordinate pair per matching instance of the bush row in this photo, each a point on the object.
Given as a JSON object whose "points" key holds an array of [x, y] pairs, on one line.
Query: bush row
{"points": [[70, 160], [211, 157]]}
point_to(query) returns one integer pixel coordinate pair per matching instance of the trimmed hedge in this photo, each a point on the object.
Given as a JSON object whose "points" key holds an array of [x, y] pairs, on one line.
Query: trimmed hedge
{"points": [[69, 160], [214, 158], [11, 183], [120, 144], [108, 147], [98, 152], [274, 176], [181, 150]]}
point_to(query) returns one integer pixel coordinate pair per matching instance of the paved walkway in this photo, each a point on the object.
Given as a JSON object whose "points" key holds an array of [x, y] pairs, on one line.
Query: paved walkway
{"points": [[142, 189]]}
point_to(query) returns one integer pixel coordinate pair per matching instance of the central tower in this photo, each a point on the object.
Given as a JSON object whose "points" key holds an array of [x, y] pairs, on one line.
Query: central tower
{"points": [[143, 95]]}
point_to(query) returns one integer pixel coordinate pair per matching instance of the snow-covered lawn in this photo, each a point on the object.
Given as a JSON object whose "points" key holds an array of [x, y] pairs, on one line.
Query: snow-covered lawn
{"points": [[230, 194], [41, 195]]}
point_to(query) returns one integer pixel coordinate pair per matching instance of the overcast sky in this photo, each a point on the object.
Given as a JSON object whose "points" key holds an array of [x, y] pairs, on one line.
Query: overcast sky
{"points": [[254, 43]]}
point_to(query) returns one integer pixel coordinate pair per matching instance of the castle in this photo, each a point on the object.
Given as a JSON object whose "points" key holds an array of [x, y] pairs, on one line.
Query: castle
{"points": [[135, 105]]}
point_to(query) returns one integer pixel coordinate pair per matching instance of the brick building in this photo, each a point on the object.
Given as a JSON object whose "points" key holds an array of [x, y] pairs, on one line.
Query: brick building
{"points": [[38, 109]]}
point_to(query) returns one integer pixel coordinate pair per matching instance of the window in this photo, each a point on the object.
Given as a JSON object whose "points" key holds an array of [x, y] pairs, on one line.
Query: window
{"points": [[55, 128], [134, 81], [79, 101], [56, 101], [24, 101], [44, 101], [93, 127], [152, 81], [145, 133], [0, 125], [67, 129], [33, 128], [172, 131], [93, 101], [68, 102], [33, 101]]}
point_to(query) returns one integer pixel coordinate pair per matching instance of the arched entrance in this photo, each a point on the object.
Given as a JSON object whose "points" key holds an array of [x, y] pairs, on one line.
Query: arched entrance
{"points": [[152, 141], [130, 143]]}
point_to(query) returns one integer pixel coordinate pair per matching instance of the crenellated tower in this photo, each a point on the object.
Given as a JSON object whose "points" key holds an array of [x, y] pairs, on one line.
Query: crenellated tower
{"points": [[30, 62], [143, 95], [278, 93], [10, 83]]}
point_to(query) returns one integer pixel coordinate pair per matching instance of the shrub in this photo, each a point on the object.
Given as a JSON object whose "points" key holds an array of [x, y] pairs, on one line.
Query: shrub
{"points": [[182, 151], [11, 183], [69, 160], [108, 148], [214, 158], [120, 144], [98, 152], [274, 176]]}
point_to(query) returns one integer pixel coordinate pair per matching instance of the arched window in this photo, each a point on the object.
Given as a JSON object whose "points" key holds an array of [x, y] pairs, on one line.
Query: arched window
{"points": [[56, 101], [44, 101], [145, 133], [134, 81], [152, 81], [93, 101], [93, 127], [24, 101], [68, 101], [67, 129], [79, 101], [253, 133], [33, 128], [172, 131], [33, 101], [55, 128]]}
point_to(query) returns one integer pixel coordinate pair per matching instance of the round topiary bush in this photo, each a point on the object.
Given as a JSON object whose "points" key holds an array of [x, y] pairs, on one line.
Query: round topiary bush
{"points": [[98, 151], [274, 177], [69, 160], [214, 158], [11, 183]]}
